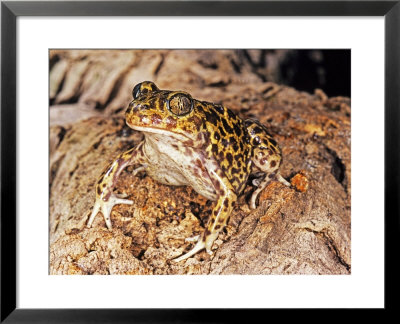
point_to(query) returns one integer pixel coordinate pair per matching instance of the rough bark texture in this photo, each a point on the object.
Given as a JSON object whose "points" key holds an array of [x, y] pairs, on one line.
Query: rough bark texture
{"points": [[300, 230]]}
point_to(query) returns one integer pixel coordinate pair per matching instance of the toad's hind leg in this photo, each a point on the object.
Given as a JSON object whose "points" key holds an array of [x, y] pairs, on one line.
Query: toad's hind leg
{"points": [[267, 157], [216, 223], [105, 198]]}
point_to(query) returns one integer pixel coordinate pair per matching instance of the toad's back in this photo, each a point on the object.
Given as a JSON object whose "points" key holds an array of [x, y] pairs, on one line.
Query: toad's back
{"points": [[228, 143]]}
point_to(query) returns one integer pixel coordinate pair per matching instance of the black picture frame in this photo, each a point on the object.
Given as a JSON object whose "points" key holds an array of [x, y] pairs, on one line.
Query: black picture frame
{"points": [[10, 10]]}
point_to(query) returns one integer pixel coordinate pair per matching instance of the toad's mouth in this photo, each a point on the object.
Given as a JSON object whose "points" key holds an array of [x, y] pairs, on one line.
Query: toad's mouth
{"points": [[160, 131]]}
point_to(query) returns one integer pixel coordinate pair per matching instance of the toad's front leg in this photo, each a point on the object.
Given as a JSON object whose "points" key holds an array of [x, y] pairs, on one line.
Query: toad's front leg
{"points": [[105, 198], [216, 223]]}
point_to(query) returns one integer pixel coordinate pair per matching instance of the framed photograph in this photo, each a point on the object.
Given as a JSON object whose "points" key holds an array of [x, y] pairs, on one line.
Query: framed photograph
{"points": [[153, 152]]}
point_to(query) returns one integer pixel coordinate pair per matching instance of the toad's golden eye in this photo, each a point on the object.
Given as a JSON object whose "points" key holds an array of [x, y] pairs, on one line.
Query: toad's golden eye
{"points": [[143, 87], [180, 104]]}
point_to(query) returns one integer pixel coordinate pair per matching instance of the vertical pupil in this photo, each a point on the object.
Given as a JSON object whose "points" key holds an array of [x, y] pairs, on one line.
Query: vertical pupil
{"points": [[183, 105]]}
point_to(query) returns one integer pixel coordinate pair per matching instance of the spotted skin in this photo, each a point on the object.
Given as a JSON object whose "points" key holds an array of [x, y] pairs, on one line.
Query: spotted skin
{"points": [[195, 143], [266, 157]]}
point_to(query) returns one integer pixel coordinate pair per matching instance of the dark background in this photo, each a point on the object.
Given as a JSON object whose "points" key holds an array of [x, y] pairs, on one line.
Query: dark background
{"points": [[305, 70], [329, 70]]}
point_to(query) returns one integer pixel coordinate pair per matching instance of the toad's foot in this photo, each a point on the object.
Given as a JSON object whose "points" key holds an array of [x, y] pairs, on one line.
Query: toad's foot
{"points": [[106, 206], [192, 239], [261, 186], [201, 244]]}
